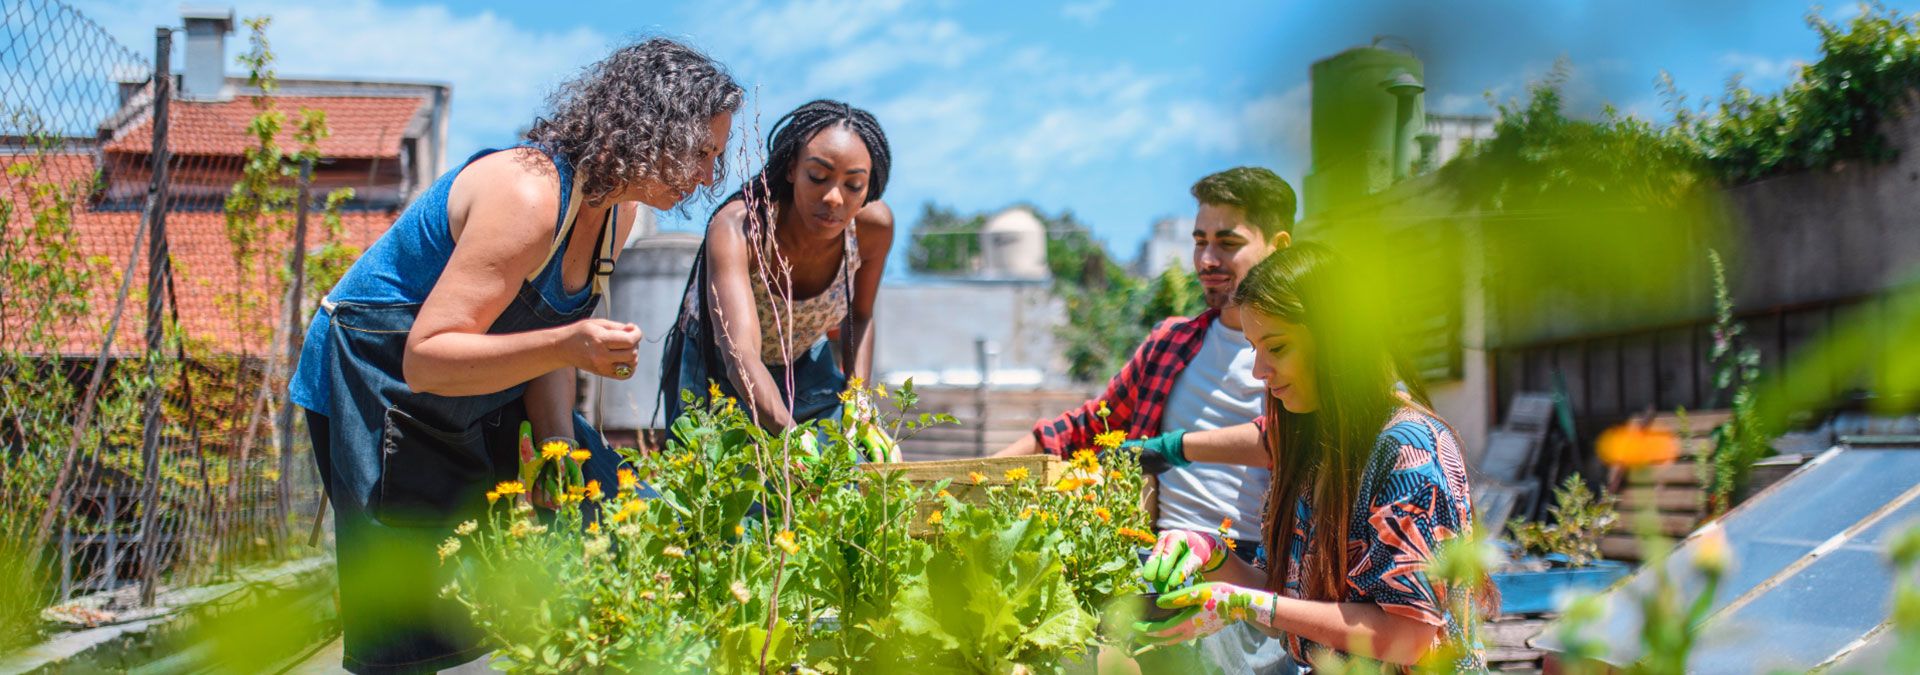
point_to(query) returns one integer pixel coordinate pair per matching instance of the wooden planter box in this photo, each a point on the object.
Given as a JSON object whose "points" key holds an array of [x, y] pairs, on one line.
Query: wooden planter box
{"points": [[1047, 469]]}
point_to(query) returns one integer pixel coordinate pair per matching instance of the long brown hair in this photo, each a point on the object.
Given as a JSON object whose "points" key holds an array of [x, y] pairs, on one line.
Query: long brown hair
{"points": [[1326, 452]]}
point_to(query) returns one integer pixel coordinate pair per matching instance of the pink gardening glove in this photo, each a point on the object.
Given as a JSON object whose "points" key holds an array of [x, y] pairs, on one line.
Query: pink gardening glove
{"points": [[1209, 607]]}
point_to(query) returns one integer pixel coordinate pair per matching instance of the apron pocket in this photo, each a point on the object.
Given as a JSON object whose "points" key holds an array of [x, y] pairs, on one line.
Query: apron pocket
{"points": [[429, 477]]}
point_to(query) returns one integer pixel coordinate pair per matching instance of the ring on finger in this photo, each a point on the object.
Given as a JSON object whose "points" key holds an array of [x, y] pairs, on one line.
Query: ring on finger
{"points": [[622, 370]]}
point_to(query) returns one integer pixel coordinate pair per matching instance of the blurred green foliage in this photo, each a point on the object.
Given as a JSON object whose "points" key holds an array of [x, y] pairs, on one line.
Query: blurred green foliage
{"points": [[765, 552], [1832, 110]]}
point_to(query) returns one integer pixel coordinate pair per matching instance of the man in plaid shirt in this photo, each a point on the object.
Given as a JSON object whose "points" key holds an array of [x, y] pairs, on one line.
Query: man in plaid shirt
{"points": [[1197, 374]]}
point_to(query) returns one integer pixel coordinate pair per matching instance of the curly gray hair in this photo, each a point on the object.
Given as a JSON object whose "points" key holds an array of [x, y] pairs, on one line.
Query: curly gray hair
{"points": [[642, 111]]}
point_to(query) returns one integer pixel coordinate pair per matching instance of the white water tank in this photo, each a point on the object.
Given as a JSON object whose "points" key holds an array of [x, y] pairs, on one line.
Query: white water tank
{"points": [[1013, 245]]}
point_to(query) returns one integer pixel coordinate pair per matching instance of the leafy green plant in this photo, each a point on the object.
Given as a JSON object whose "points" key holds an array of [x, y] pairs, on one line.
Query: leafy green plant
{"points": [[1832, 110], [1579, 519], [41, 389], [767, 551], [1743, 439], [1904, 552], [995, 595]]}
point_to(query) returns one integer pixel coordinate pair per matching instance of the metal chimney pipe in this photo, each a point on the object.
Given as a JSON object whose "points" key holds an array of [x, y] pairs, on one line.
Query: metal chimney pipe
{"points": [[205, 74]]}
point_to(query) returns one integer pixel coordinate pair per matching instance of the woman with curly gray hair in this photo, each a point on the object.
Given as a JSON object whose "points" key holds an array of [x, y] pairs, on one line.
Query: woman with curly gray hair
{"points": [[470, 316]]}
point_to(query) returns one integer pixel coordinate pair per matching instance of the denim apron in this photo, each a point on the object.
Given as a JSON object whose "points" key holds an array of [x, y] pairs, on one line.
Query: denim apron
{"points": [[404, 468]]}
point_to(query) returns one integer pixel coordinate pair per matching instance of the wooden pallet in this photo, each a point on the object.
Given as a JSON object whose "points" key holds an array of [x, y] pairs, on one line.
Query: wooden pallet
{"points": [[1675, 491]]}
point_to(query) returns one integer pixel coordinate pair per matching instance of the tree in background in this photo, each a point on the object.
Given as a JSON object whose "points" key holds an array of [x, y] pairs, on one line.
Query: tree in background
{"points": [[1109, 310], [944, 242]]}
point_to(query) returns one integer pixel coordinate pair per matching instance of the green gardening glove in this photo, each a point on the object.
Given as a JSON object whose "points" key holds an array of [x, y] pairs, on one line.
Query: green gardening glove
{"points": [[1159, 453]]}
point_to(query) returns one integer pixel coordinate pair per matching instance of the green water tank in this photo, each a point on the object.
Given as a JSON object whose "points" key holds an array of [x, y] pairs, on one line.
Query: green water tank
{"points": [[1368, 109]]}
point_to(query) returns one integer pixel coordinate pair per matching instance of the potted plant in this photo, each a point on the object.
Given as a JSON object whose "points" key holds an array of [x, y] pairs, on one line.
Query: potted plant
{"points": [[1560, 559]]}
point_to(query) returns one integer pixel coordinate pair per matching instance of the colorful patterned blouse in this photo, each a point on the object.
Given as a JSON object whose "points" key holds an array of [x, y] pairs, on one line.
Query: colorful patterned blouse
{"points": [[1415, 497]]}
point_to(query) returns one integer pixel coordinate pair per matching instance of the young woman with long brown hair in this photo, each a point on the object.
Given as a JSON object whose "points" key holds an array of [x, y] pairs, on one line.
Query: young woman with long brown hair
{"points": [[1368, 482]]}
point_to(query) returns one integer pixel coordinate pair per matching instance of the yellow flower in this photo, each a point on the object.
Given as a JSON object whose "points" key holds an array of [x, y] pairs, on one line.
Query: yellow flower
{"points": [[1016, 474], [1110, 439], [1026, 513], [1067, 484], [1103, 410], [934, 518], [581, 454], [1710, 554], [1138, 535], [593, 528], [553, 450], [976, 477], [1230, 545], [628, 481], [1105, 515], [739, 530], [1635, 445], [786, 543], [1085, 460], [628, 509], [944, 494], [1114, 474], [880, 390], [593, 490], [493, 496], [713, 390], [509, 488], [855, 383]]}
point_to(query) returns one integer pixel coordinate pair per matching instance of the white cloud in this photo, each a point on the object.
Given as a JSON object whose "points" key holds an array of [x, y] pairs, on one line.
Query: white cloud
{"points": [[777, 31], [1086, 12], [1281, 124], [940, 44], [1761, 71], [500, 71], [1460, 104]]}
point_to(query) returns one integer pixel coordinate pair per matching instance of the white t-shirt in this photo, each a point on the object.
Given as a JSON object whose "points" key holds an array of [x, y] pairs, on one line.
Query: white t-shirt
{"points": [[1216, 390]]}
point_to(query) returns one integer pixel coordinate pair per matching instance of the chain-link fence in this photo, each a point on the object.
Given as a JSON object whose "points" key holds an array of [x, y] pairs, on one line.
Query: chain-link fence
{"points": [[145, 329]]}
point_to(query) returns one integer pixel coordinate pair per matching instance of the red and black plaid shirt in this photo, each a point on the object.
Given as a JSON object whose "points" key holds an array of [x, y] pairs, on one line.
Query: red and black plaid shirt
{"points": [[1137, 397]]}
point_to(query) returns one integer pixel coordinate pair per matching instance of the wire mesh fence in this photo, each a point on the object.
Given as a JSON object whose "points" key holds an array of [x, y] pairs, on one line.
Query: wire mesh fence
{"points": [[145, 328]]}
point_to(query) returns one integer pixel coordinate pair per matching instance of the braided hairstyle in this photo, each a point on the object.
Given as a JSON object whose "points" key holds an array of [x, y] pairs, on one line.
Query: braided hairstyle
{"points": [[792, 132]]}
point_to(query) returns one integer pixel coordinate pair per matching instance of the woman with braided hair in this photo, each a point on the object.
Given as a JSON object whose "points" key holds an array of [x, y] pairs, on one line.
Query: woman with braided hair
{"points": [[795, 253]]}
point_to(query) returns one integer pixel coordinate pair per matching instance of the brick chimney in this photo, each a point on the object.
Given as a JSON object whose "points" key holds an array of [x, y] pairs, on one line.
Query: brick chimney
{"points": [[205, 75]]}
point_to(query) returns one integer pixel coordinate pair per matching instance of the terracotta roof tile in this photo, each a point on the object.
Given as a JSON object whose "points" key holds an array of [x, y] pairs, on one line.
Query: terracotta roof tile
{"points": [[205, 275], [363, 127]]}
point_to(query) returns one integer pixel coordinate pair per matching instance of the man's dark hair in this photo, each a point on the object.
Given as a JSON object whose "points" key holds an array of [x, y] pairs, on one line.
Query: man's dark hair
{"points": [[792, 132], [1267, 200]]}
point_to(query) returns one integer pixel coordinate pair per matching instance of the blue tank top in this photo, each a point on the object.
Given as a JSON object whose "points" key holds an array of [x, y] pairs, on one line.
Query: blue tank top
{"points": [[403, 265]]}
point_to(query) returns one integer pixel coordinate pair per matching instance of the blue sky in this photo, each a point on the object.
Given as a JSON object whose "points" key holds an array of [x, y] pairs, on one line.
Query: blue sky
{"points": [[1110, 109]]}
